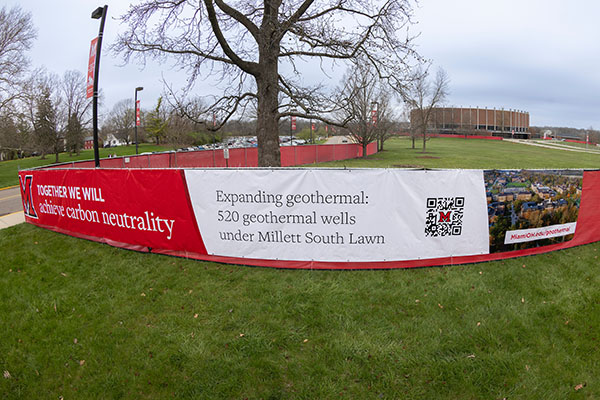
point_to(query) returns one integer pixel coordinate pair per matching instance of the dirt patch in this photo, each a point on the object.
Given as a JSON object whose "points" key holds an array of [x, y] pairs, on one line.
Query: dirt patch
{"points": [[428, 157], [406, 166]]}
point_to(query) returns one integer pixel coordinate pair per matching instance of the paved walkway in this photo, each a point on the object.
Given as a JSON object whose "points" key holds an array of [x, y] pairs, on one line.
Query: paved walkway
{"points": [[339, 140], [11, 219], [11, 208], [549, 146], [10, 200]]}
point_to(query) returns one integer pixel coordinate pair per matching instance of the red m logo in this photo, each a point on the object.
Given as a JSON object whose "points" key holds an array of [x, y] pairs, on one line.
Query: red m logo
{"points": [[26, 197], [445, 217]]}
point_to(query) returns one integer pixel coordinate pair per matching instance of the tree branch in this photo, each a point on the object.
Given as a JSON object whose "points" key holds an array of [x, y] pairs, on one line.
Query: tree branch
{"points": [[248, 67]]}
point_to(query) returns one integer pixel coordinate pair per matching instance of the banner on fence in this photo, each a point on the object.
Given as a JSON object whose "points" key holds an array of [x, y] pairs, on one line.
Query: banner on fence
{"points": [[340, 215], [318, 218], [140, 209]]}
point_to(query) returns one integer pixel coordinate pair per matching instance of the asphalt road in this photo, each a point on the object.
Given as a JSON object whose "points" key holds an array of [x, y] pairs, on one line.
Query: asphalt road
{"points": [[339, 140], [10, 201]]}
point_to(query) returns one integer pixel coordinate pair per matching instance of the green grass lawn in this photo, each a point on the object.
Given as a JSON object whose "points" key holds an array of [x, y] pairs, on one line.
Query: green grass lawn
{"points": [[469, 153], [84, 320], [9, 169], [81, 320]]}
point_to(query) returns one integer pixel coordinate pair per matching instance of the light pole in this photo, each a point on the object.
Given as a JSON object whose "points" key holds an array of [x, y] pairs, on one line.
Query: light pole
{"points": [[137, 116], [99, 13], [292, 124], [374, 112], [374, 118]]}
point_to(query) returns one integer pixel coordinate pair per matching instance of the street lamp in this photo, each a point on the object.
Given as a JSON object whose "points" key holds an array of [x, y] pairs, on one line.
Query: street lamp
{"points": [[137, 116], [311, 131], [99, 13]]}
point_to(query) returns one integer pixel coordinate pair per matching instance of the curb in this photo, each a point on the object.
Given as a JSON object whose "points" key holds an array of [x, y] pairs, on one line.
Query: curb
{"points": [[9, 187]]}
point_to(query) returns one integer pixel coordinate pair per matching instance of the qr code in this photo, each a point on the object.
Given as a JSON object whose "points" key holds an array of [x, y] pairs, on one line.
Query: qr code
{"points": [[444, 216]]}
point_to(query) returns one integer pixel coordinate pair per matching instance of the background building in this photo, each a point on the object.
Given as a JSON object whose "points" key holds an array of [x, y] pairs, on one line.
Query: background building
{"points": [[477, 121]]}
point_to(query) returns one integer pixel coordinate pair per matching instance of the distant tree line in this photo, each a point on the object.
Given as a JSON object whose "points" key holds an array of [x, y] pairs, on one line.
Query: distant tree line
{"points": [[244, 44]]}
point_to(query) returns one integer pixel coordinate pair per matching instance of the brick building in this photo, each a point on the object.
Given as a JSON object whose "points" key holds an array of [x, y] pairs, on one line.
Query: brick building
{"points": [[476, 121]]}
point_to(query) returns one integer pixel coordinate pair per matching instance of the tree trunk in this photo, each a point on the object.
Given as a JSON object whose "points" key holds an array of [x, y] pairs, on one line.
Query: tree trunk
{"points": [[364, 148], [267, 126], [424, 141]]}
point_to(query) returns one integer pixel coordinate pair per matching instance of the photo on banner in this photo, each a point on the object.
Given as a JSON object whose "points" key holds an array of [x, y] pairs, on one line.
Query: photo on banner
{"points": [[531, 208]]}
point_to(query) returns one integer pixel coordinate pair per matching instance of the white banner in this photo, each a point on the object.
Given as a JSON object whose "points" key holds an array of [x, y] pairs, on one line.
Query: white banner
{"points": [[545, 232], [340, 215]]}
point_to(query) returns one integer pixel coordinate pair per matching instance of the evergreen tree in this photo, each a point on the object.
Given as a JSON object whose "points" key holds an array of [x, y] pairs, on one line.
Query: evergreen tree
{"points": [[157, 123], [74, 135], [45, 125]]}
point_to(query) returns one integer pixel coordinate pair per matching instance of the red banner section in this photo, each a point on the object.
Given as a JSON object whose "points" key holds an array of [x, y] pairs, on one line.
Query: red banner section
{"points": [[135, 209], [152, 211], [137, 113], [91, 68]]}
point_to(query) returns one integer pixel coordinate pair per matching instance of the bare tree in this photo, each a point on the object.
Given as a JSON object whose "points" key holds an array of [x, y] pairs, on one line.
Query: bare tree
{"points": [[16, 38], [422, 96], [386, 119], [76, 109], [121, 120], [258, 49], [366, 94]]}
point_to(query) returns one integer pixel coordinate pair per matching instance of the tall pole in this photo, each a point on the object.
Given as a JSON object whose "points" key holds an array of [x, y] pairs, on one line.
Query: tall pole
{"points": [[137, 116], [99, 13], [292, 125]]}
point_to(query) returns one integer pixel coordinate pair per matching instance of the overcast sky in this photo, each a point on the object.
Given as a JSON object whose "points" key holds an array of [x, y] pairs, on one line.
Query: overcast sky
{"points": [[540, 56]]}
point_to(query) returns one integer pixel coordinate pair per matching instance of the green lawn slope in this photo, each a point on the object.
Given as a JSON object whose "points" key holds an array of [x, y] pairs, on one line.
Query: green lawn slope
{"points": [[82, 320]]}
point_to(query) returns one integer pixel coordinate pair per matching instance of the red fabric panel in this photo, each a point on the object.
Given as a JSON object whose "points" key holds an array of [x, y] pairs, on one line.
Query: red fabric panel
{"points": [[138, 161], [371, 148], [129, 208], [160, 160], [112, 163], [237, 158], [588, 220], [326, 153], [287, 156], [305, 154], [575, 141]]}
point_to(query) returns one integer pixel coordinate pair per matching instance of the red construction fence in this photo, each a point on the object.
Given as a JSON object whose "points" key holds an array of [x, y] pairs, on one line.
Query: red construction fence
{"points": [[238, 158], [319, 218]]}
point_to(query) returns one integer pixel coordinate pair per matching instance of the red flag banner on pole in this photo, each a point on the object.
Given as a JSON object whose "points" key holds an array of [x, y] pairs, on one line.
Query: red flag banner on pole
{"points": [[137, 113], [91, 66], [293, 123]]}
